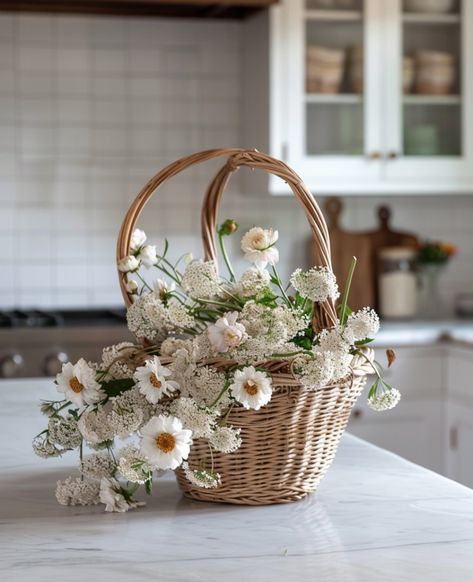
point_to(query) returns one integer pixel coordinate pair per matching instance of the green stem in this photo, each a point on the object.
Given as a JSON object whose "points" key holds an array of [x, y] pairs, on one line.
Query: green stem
{"points": [[278, 283], [346, 291], [225, 257], [222, 392]]}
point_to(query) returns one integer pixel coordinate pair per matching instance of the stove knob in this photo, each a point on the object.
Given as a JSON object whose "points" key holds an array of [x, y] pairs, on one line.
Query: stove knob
{"points": [[53, 363], [10, 365]]}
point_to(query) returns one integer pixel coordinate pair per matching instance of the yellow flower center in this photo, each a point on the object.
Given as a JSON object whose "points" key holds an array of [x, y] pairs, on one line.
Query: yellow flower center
{"points": [[250, 387], [165, 442], [75, 385], [155, 381]]}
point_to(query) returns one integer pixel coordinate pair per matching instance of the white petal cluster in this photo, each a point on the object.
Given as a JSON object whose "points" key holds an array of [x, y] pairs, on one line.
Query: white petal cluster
{"points": [[362, 325], [44, 448], [384, 401], [111, 495], [75, 491], [200, 421], [139, 321], [171, 344], [153, 380], [316, 372], [128, 264], [225, 439], [148, 255], [252, 282], [95, 427], [226, 333], [317, 284], [64, 432], [129, 411], [78, 384], [115, 360], [200, 280], [202, 477], [97, 466], [251, 388], [179, 316], [205, 385], [258, 246]]}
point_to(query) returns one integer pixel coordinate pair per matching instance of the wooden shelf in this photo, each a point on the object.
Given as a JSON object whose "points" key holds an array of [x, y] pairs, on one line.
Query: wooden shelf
{"points": [[337, 98], [334, 15], [173, 8], [432, 99], [420, 18]]}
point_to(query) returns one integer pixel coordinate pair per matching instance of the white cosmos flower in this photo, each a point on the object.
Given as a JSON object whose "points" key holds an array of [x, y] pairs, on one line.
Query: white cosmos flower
{"points": [[258, 246], [128, 264], [165, 443], [148, 256], [251, 388], [138, 239], [78, 383], [226, 333], [152, 380]]}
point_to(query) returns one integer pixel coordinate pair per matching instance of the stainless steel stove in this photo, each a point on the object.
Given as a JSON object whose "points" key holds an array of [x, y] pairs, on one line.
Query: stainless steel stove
{"points": [[36, 343]]}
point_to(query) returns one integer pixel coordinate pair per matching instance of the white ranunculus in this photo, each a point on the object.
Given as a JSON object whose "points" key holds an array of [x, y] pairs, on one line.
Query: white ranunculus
{"points": [[131, 287], [165, 443], [258, 246], [128, 264], [78, 384], [148, 256], [226, 333], [152, 380], [138, 239], [251, 388]]}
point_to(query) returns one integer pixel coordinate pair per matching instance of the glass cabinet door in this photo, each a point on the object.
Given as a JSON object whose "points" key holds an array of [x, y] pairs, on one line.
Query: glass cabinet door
{"points": [[431, 79], [334, 78]]}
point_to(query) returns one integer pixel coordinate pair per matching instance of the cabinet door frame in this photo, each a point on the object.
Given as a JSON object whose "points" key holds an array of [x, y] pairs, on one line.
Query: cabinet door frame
{"points": [[327, 174], [424, 174]]}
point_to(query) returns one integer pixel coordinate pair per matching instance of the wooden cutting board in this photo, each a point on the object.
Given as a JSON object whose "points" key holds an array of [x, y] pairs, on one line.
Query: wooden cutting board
{"points": [[365, 246]]}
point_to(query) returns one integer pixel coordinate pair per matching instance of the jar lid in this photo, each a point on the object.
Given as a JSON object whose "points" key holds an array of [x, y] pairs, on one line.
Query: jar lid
{"points": [[397, 253]]}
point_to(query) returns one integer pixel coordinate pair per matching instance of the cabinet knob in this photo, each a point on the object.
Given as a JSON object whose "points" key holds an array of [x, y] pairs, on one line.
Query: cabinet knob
{"points": [[357, 413], [374, 156], [393, 155], [53, 362], [10, 365]]}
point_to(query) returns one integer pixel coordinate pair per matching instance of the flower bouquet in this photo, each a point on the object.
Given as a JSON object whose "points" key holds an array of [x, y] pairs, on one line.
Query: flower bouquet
{"points": [[241, 385]]}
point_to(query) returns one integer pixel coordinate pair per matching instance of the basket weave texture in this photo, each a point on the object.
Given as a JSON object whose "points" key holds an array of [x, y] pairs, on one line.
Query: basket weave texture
{"points": [[289, 444]]}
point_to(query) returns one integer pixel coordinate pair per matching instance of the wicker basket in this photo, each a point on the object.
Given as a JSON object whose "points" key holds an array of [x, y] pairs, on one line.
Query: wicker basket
{"points": [[289, 444]]}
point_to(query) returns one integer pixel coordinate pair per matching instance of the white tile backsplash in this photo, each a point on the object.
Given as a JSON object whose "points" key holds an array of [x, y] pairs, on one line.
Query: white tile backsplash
{"points": [[92, 107]]}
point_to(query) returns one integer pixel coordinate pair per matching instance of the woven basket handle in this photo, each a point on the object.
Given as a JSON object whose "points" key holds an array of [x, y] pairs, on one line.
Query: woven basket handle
{"points": [[325, 314]]}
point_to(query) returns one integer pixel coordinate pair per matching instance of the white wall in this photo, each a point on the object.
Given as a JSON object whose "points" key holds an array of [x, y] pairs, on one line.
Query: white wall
{"points": [[91, 107]]}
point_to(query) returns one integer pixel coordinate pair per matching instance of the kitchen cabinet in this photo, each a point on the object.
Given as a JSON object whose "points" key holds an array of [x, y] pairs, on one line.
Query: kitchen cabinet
{"points": [[341, 116]]}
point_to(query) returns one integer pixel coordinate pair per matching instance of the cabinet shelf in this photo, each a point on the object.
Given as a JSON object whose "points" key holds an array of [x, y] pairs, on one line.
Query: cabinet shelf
{"points": [[420, 18], [337, 98], [334, 15], [432, 99]]}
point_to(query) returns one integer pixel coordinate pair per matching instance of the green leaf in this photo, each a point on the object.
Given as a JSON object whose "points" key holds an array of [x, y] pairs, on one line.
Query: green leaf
{"points": [[373, 389], [367, 340], [117, 387]]}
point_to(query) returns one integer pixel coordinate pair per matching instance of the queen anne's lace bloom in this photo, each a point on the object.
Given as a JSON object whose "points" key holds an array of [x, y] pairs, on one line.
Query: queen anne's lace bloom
{"points": [[362, 325], [225, 439], [133, 466], [384, 401], [44, 448], [200, 280], [252, 282], [317, 284], [199, 421], [77, 492], [114, 360], [64, 432], [316, 372], [97, 466], [95, 427], [130, 411], [202, 477]]}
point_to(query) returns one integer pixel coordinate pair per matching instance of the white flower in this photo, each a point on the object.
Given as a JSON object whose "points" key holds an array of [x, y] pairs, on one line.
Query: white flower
{"points": [[225, 439], [133, 466], [162, 288], [199, 420], [258, 246], [64, 432], [131, 287], [253, 281], [226, 333], [128, 264], [362, 325], [317, 284], [152, 380], [202, 477], [251, 388], [77, 492], [316, 372], [78, 384], [179, 315], [200, 280], [384, 401], [44, 448], [165, 443], [111, 494], [97, 466], [94, 426], [148, 256], [138, 239]]}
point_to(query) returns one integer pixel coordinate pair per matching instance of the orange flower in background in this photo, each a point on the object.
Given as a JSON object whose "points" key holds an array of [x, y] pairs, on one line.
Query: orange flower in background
{"points": [[449, 249]]}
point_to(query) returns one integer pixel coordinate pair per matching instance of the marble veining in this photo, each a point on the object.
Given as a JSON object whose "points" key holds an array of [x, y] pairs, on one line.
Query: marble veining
{"points": [[375, 517]]}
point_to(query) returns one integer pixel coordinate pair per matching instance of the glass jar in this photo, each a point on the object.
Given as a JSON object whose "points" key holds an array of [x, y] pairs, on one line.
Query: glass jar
{"points": [[397, 282]]}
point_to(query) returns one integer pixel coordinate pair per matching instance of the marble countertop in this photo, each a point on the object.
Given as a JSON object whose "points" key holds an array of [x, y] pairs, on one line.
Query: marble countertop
{"points": [[418, 332], [375, 517]]}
